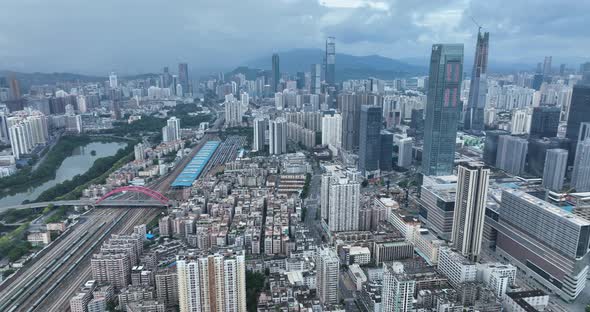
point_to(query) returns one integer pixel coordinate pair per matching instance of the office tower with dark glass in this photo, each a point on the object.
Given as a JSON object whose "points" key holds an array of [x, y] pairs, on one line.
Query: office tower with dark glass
{"points": [[477, 91], [331, 61], [579, 110], [470, 207], [440, 127], [351, 116], [385, 159], [370, 139], [276, 73], [183, 78], [545, 121], [316, 79]]}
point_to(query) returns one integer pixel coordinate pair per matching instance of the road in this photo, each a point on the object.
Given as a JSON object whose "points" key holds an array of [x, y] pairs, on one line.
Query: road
{"points": [[50, 279]]}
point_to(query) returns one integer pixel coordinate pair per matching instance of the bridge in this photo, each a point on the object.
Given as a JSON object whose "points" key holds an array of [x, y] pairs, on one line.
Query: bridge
{"points": [[156, 200]]}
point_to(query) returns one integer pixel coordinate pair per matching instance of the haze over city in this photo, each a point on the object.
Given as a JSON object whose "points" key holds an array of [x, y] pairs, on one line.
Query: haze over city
{"points": [[294, 156], [132, 37]]}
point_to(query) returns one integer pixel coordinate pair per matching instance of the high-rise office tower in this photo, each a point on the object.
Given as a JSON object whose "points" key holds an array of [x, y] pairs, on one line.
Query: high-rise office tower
{"points": [[442, 109], [470, 207], [328, 272], [398, 288], [474, 117], [491, 146], [547, 66], [258, 142], [113, 81], [555, 168], [545, 121], [581, 171], [332, 132], [579, 110], [369, 139], [404, 155], [276, 73], [214, 283], [14, 88], [331, 61], [300, 80], [351, 116], [316, 79], [183, 77], [385, 158], [511, 155], [166, 78], [277, 136], [537, 150]]}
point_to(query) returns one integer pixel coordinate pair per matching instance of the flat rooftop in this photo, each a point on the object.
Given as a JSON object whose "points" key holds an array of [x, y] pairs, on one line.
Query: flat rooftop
{"points": [[193, 169]]}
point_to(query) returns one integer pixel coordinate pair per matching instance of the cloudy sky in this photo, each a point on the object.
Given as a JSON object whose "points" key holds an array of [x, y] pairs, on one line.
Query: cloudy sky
{"points": [[133, 36]]}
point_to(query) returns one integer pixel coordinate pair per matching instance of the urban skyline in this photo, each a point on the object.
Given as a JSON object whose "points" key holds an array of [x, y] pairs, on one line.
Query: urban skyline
{"points": [[330, 183]]}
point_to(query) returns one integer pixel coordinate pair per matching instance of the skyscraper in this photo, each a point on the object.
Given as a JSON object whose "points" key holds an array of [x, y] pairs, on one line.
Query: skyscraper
{"points": [[474, 119], [213, 283], [491, 146], [260, 125], [276, 73], [277, 136], [398, 288], [511, 156], [579, 110], [316, 79], [386, 154], [328, 272], [440, 128], [113, 81], [470, 206], [369, 139], [581, 171], [183, 77], [545, 121], [331, 61], [555, 167], [547, 66], [351, 116]]}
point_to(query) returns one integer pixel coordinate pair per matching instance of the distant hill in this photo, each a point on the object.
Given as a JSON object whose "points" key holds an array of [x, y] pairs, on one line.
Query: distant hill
{"points": [[347, 66], [26, 80]]}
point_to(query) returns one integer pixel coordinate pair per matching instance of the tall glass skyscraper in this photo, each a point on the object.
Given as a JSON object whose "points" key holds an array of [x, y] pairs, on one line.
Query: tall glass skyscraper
{"points": [[440, 127], [183, 78], [331, 61], [370, 138], [276, 73], [478, 88]]}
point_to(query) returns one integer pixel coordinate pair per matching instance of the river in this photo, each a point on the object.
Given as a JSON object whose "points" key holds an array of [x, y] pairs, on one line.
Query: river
{"points": [[78, 163]]}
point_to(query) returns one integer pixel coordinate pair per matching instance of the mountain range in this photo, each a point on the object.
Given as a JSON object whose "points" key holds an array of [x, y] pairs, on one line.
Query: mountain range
{"points": [[347, 66]]}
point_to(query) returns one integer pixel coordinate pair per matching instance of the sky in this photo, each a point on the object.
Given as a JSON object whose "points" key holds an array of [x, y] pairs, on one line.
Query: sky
{"points": [[133, 36]]}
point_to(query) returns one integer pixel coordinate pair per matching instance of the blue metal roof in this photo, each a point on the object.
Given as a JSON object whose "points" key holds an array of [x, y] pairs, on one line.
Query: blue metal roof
{"points": [[193, 169]]}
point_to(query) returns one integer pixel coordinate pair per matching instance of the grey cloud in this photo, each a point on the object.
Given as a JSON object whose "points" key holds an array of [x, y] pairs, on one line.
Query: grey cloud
{"points": [[135, 36]]}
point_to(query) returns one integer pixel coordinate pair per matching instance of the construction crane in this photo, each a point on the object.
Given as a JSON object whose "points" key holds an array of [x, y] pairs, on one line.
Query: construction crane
{"points": [[476, 23]]}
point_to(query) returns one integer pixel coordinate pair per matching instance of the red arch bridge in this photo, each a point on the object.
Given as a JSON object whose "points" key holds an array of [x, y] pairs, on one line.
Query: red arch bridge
{"points": [[156, 199]]}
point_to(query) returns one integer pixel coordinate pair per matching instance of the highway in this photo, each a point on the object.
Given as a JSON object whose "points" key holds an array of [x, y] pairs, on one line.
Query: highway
{"points": [[32, 280]]}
